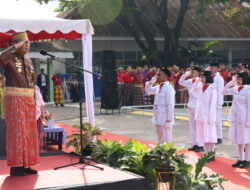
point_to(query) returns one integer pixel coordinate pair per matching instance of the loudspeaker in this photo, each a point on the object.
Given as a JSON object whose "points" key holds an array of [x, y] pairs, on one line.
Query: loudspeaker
{"points": [[109, 91], [108, 60]]}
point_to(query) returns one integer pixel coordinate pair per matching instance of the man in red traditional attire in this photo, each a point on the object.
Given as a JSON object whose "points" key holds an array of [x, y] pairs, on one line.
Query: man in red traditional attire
{"points": [[58, 89], [21, 137], [139, 82], [120, 84], [129, 85]]}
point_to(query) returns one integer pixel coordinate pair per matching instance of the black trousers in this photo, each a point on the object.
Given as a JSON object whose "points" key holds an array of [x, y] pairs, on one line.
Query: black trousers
{"points": [[44, 92]]}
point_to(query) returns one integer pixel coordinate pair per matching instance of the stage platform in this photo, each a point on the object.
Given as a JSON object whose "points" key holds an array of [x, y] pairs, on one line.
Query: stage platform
{"points": [[77, 177], [91, 178]]}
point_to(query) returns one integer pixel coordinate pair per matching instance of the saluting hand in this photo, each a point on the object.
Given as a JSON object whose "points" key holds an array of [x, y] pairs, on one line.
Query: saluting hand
{"points": [[19, 44], [154, 79], [188, 73]]}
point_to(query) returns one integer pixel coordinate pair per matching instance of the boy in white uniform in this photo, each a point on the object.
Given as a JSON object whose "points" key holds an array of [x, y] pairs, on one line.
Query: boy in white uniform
{"points": [[164, 103], [219, 86], [192, 102]]}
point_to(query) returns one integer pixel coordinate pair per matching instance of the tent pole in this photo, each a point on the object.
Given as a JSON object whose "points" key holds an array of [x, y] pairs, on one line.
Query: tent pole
{"points": [[50, 84]]}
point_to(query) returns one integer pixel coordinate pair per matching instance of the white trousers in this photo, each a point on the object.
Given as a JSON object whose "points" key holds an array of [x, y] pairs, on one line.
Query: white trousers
{"points": [[164, 134], [192, 127], [219, 122]]}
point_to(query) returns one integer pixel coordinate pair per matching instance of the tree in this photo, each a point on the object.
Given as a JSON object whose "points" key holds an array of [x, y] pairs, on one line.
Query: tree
{"points": [[134, 18]]}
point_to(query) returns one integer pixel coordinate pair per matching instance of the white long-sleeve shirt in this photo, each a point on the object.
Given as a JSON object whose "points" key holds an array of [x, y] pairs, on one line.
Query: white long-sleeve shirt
{"points": [[192, 101], [164, 102], [219, 86], [206, 104], [240, 111]]}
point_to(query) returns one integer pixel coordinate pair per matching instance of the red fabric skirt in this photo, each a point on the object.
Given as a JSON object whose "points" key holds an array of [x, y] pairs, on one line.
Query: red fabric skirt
{"points": [[21, 137]]}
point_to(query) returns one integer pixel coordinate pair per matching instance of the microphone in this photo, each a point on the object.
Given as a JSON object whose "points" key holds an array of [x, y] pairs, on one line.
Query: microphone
{"points": [[44, 52]]}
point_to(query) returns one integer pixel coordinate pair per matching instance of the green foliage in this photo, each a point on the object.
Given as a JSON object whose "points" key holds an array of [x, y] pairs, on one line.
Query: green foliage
{"points": [[163, 155], [89, 132], [137, 158], [235, 11], [202, 163], [131, 15], [199, 181], [196, 52]]}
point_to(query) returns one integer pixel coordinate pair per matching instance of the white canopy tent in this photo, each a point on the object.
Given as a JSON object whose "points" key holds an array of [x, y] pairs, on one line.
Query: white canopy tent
{"points": [[58, 29]]}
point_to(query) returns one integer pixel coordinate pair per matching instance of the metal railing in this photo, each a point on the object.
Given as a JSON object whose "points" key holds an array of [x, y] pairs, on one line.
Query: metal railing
{"points": [[177, 105]]}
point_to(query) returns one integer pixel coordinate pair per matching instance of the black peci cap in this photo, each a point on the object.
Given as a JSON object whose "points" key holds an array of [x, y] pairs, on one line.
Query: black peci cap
{"points": [[208, 75], [165, 70], [195, 68], [215, 64]]}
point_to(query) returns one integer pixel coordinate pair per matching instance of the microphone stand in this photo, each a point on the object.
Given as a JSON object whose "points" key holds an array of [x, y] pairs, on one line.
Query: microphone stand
{"points": [[81, 157]]}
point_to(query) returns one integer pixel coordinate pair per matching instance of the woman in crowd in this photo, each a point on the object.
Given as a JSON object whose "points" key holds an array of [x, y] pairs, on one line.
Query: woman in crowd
{"points": [[239, 117], [205, 113], [163, 118]]}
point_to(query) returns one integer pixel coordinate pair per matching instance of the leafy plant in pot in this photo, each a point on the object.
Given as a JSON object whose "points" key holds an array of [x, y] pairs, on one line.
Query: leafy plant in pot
{"points": [[186, 180], [162, 159], [89, 133]]}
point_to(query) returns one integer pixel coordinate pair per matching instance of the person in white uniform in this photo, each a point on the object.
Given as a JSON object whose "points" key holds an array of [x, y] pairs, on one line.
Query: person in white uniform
{"points": [[192, 102], [205, 113], [164, 103], [239, 117], [218, 85]]}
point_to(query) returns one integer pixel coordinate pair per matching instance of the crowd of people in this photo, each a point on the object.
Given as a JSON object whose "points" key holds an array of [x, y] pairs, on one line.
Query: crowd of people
{"points": [[23, 104], [206, 91], [131, 82]]}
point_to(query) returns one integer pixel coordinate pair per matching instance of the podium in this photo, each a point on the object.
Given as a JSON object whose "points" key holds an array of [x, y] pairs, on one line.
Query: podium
{"points": [[2, 137]]}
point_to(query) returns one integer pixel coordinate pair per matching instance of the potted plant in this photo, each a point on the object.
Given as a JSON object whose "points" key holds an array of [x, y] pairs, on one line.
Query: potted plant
{"points": [[89, 133], [137, 158], [185, 180], [162, 159]]}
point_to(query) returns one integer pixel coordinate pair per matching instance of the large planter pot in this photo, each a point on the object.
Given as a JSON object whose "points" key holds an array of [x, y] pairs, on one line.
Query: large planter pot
{"points": [[165, 175], [3, 128]]}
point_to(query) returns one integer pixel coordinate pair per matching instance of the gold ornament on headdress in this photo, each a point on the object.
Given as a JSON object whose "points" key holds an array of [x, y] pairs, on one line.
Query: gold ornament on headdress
{"points": [[20, 36]]}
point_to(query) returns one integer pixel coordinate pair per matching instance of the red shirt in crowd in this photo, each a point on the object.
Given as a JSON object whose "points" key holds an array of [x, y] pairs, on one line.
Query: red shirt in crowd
{"points": [[56, 80], [139, 77], [127, 78], [171, 78], [120, 77], [150, 75], [224, 74]]}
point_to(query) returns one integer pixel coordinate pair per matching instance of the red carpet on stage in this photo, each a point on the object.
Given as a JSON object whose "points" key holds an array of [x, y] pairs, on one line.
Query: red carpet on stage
{"points": [[238, 179], [70, 176]]}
